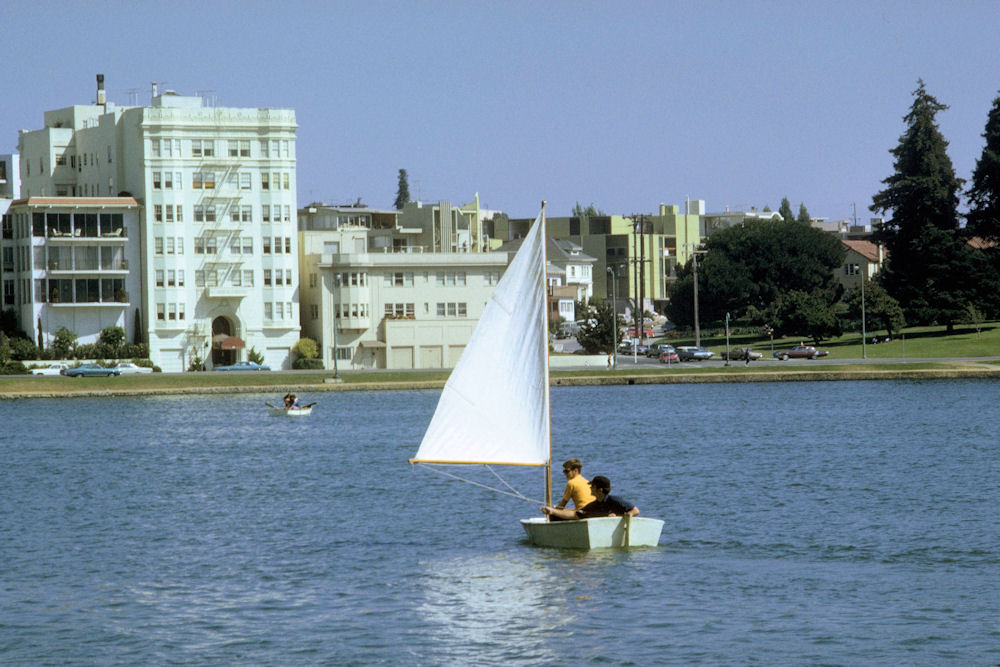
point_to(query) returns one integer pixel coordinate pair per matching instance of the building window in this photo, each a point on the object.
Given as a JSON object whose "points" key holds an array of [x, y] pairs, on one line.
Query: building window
{"points": [[266, 248], [157, 185], [158, 245], [288, 276], [267, 277], [155, 147], [247, 245], [169, 210], [314, 311], [244, 181], [199, 278], [157, 212], [248, 278], [288, 245], [312, 280], [268, 311], [159, 277], [265, 181], [171, 278], [180, 213], [266, 212], [160, 312]]}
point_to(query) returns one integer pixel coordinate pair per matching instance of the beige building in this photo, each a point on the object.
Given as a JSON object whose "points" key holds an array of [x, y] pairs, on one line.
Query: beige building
{"points": [[862, 261], [387, 289]]}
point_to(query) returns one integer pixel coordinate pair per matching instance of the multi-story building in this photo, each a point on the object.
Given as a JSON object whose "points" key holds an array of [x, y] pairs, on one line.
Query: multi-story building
{"points": [[66, 263], [569, 273], [643, 251], [863, 261], [387, 289], [216, 242]]}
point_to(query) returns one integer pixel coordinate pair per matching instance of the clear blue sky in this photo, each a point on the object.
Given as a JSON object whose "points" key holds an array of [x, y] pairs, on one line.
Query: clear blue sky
{"points": [[623, 104]]}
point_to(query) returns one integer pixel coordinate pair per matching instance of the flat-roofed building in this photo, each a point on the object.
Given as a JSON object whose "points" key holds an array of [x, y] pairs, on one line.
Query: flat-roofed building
{"points": [[216, 239], [374, 296], [66, 263]]}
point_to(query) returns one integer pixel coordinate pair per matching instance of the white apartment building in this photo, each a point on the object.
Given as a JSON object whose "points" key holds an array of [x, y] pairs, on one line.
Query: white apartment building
{"points": [[371, 299], [216, 244], [66, 264]]}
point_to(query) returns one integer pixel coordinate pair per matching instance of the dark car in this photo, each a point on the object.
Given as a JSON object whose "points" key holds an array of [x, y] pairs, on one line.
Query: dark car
{"points": [[243, 366], [90, 370], [800, 352], [741, 354], [654, 351], [692, 353], [668, 355]]}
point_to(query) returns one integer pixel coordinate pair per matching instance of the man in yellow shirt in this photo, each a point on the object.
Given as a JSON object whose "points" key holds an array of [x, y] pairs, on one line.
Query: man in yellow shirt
{"points": [[577, 487]]}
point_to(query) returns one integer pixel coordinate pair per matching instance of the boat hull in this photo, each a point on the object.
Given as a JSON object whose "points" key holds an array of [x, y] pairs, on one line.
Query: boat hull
{"points": [[600, 533], [282, 412]]}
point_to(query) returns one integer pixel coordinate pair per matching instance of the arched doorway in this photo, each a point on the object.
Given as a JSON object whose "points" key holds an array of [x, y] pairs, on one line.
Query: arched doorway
{"points": [[225, 344]]}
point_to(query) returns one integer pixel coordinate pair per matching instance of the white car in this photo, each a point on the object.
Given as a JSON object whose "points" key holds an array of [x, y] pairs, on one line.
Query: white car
{"points": [[51, 369], [127, 368]]}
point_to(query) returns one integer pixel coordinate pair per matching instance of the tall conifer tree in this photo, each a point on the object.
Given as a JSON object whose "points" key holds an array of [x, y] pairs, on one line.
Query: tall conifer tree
{"points": [[785, 210], [928, 269], [984, 195], [403, 191]]}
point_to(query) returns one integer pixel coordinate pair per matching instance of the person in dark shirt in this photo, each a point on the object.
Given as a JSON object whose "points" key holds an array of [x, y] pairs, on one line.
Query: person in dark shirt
{"points": [[605, 505]]}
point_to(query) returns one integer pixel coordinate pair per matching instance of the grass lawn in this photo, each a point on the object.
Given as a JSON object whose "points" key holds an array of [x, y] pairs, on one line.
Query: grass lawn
{"points": [[914, 343]]}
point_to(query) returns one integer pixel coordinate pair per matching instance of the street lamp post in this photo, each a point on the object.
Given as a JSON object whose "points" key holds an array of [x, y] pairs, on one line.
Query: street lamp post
{"points": [[614, 319], [727, 339], [696, 248], [864, 333], [336, 321]]}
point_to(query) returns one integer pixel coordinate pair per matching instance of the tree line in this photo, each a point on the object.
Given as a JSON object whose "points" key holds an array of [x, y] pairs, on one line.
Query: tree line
{"points": [[942, 266]]}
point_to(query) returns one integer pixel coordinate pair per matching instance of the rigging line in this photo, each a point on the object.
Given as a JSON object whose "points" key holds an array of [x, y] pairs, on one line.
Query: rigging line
{"points": [[515, 494]]}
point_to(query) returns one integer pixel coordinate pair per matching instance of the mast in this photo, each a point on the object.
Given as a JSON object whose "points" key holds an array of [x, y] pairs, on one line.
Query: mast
{"points": [[545, 352]]}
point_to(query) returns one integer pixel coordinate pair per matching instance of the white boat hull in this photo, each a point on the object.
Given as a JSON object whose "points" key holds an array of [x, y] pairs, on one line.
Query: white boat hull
{"points": [[282, 412], [600, 533]]}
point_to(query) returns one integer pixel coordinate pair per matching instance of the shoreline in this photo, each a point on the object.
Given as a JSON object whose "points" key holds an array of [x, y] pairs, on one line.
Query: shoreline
{"points": [[562, 378]]}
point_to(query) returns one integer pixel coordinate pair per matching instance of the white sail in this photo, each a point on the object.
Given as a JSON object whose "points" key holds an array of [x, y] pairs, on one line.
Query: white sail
{"points": [[495, 406]]}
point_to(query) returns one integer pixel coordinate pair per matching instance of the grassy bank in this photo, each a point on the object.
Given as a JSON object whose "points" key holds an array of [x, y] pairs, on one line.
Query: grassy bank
{"points": [[13, 387], [910, 343]]}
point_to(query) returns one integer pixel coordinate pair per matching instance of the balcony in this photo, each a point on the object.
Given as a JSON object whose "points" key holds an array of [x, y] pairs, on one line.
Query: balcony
{"points": [[227, 292]]}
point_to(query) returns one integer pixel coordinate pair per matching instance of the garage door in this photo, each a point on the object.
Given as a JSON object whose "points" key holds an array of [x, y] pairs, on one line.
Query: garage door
{"points": [[276, 358], [402, 358], [430, 356]]}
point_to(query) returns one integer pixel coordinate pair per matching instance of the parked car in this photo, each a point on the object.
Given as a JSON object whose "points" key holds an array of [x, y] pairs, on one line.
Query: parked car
{"points": [[89, 370], [741, 354], [655, 350], [800, 352], [243, 366], [668, 355], [692, 353], [127, 367], [51, 369]]}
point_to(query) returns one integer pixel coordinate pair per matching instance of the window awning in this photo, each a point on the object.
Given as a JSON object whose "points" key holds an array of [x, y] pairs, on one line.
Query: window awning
{"points": [[375, 344]]}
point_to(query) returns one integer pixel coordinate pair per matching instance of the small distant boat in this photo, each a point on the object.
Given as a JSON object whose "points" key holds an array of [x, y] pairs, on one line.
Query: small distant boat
{"points": [[494, 409], [276, 411]]}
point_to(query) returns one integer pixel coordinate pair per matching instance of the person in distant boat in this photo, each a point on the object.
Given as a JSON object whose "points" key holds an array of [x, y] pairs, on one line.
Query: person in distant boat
{"points": [[291, 402], [604, 505], [577, 487]]}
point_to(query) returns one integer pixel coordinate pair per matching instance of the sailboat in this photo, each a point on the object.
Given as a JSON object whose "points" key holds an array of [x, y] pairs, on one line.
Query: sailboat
{"points": [[494, 408]]}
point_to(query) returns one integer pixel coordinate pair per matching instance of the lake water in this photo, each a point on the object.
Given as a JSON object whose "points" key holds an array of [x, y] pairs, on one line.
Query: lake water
{"points": [[806, 523]]}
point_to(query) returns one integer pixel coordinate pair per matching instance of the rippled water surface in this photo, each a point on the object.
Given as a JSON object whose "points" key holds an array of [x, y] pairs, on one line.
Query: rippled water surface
{"points": [[806, 523]]}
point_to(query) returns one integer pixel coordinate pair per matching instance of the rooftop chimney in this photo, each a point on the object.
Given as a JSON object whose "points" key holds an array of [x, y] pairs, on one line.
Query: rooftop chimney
{"points": [[155, 90], [102, 100]]}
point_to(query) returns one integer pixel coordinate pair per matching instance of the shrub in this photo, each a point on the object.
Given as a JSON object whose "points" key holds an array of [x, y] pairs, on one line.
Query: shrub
{"points": [[306, 348], [63, 342], [113, 338], [255, 356], [307, 364], [13, 368], [22, 348]]}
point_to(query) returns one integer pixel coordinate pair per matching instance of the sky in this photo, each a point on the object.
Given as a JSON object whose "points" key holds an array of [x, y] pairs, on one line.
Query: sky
{"points": [[625, 105]]}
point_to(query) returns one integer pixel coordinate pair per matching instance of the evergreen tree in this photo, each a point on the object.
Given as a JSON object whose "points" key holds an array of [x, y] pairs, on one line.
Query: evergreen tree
{"points": [[785, 210], [929, 267], [804, 218], [984, 195], [402, 191]]}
